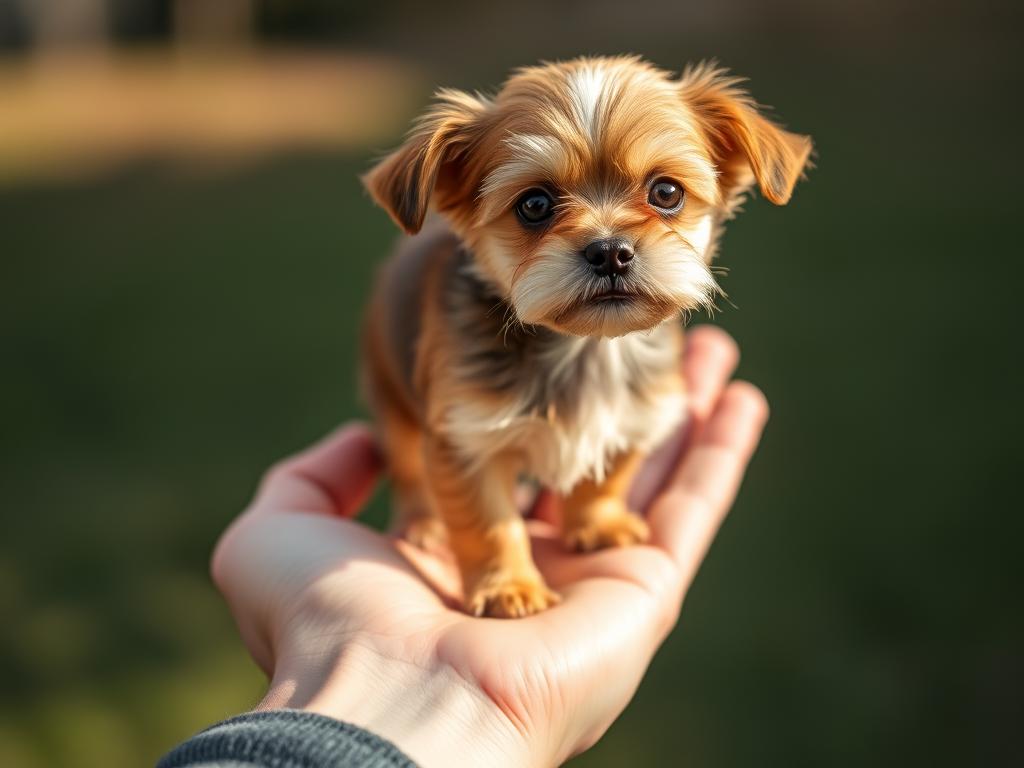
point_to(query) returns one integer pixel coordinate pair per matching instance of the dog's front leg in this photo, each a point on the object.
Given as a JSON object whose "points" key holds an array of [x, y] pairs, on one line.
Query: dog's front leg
{"points": [[486, 533], [595, 515]]}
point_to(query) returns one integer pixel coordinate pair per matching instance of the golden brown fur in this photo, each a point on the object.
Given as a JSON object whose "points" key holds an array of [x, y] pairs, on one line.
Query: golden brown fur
{"points": [[493, 348]]}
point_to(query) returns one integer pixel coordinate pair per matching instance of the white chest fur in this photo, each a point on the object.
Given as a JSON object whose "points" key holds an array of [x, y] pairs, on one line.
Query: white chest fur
{"points": [[584, 408]]}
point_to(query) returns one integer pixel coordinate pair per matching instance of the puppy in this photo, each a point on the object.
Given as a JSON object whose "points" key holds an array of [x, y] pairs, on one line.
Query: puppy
{"points": [[534, 329]]}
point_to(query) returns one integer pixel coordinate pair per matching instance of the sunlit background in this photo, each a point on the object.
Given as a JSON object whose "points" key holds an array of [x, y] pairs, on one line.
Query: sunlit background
{"points": [[185, 249]]}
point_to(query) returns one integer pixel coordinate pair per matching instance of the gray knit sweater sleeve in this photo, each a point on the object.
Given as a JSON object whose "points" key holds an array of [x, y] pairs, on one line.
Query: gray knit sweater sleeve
{"points": [[285, 738]]}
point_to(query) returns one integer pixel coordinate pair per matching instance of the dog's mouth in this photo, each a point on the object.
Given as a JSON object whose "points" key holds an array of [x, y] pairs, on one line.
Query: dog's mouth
{"points": [[615, 296], [612, 298], [613, 311]]}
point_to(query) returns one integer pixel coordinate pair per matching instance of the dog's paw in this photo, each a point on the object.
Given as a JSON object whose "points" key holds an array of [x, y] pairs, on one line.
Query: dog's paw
{"points": [[504, 597], [611, 524], [425, 532]]}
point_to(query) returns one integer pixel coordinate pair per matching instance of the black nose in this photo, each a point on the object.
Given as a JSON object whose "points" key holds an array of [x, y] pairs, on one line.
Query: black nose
{"points": [[609, 257]]}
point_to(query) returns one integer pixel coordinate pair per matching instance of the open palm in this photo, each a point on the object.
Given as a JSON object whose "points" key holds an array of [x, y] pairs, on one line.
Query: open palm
{"points": [[319, 597]]}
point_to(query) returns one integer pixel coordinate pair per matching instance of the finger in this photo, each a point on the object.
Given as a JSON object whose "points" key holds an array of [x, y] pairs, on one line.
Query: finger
{"points": [[688, 513], [657, 469], [334, 476], [547, 507], [525, 496], [709, 359]]}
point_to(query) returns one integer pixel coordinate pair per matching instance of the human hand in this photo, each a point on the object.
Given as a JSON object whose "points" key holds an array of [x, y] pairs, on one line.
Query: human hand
{"points": [[361, 627]]}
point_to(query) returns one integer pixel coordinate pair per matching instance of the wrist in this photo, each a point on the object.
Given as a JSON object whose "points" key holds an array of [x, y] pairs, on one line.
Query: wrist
{"points": [[428, 711]]}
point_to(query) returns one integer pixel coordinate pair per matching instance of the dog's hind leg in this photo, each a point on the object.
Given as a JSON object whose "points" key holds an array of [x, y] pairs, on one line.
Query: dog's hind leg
{"points": [[412, 516]]}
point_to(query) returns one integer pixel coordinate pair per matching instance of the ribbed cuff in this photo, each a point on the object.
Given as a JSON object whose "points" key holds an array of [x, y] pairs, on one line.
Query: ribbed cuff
{"points": [[285, 738]]}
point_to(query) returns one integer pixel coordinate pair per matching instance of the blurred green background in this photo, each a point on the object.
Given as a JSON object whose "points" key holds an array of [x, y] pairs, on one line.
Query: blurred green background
{"points": [[180, 299]]}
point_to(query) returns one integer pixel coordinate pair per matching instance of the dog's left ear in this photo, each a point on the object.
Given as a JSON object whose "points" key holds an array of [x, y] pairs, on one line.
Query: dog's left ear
{"points": [[744, 142], [429, 163]]}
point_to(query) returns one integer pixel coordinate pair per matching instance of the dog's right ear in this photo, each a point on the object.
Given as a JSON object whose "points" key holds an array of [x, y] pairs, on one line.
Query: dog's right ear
{"points": [[427, 164]]}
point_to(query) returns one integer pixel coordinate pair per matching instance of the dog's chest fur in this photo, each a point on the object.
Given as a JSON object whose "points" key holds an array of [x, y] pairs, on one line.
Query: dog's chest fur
{"points": [[566, 405]]}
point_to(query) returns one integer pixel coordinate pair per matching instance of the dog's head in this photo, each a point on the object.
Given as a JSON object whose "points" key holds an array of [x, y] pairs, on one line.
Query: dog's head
{"points": [[591, 192]]}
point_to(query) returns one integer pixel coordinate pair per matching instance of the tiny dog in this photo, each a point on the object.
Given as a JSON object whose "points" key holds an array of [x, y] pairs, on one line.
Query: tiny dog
{"points": [[532, 328]]}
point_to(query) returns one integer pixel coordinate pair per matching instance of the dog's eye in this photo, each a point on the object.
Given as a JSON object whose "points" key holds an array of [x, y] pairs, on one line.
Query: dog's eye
{"points": [[534, 206], [666, 195]]}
